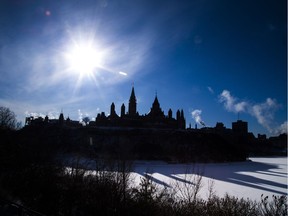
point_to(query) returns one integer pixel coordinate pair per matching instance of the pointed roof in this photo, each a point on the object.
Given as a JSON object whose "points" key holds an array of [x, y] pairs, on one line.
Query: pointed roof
{"points": [[61, 116], [132, 96], [156, 102]]}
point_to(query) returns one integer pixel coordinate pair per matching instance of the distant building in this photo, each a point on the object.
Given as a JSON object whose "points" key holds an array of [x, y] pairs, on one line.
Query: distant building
{"points": [[261, 137], [39, 121], [220, 127], [154, 119], [240, 127]]}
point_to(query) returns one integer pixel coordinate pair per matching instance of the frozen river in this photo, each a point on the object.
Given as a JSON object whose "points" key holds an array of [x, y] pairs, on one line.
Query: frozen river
{"points": [[248, 179]]}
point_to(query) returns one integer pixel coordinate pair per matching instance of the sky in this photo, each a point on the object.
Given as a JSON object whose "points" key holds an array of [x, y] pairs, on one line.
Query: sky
{"points": [[219, 61]]}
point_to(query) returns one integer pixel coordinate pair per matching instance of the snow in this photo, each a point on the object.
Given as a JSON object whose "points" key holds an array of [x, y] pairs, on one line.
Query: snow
{"points": [[249, 179]]}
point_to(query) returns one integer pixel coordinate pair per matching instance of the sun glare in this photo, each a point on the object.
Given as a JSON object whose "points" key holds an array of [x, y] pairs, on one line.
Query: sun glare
{"points": [[88, 60], [83, 59]]}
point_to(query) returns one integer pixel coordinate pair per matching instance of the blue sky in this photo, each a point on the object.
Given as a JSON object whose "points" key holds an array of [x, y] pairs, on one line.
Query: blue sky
{"points": [[216, 60]]}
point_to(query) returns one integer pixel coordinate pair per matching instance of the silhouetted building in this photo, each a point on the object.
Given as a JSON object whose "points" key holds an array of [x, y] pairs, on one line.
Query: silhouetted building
{"points": [[39, 121], [240, 127], [142, 134], [61, 119], [132, 104], [154, 119], [261, 137]]}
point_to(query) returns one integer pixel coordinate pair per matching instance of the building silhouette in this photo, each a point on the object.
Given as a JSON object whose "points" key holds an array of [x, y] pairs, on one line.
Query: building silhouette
{"points": [[154, 119], [240, 127], [39, 121], [161, 132]]}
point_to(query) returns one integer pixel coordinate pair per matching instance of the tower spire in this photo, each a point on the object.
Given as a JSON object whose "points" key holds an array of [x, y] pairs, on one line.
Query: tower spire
{"points": [[132, 109]]}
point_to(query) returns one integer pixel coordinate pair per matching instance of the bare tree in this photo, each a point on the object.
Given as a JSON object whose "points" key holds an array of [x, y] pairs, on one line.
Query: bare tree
{"points": [[211, 189], [188, 187], [7, 119], [86, 120]]}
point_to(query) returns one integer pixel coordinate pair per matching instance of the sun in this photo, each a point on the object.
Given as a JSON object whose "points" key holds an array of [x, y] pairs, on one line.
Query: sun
{"points": [[87, 59], [83, 58]]}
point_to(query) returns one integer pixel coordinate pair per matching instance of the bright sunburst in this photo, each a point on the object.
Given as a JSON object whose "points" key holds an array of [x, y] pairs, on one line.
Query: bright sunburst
{"points": [[83, 58], [86, 57]]}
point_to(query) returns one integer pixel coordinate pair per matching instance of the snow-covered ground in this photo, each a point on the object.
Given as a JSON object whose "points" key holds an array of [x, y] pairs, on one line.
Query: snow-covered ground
{"points": [[248, 179]]}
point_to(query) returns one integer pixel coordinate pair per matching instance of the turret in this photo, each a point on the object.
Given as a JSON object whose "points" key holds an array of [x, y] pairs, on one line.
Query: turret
{"points": [[170, 114], [112, 110], [123, 110], [46, 119], [132, 109], [182, 114], [156, 104], [183, 121], [61, 119], [156, 109], [178, 115], [180, 119]]}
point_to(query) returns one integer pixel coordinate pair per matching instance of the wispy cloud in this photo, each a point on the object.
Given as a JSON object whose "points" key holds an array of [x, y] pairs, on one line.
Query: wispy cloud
{"points": [[196, 115], [80, 115], [283, 128], [232, 104], [263, 112], [210, 89]]}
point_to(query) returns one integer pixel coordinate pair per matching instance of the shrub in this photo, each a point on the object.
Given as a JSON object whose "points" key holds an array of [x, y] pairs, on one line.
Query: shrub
{"points": [[276, 207]]}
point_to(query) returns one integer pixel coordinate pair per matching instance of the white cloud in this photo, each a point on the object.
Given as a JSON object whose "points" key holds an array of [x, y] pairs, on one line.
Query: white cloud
{"points": [[263, 112], [283, 128], [231, 104], [80, 115], [196, 115]]}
